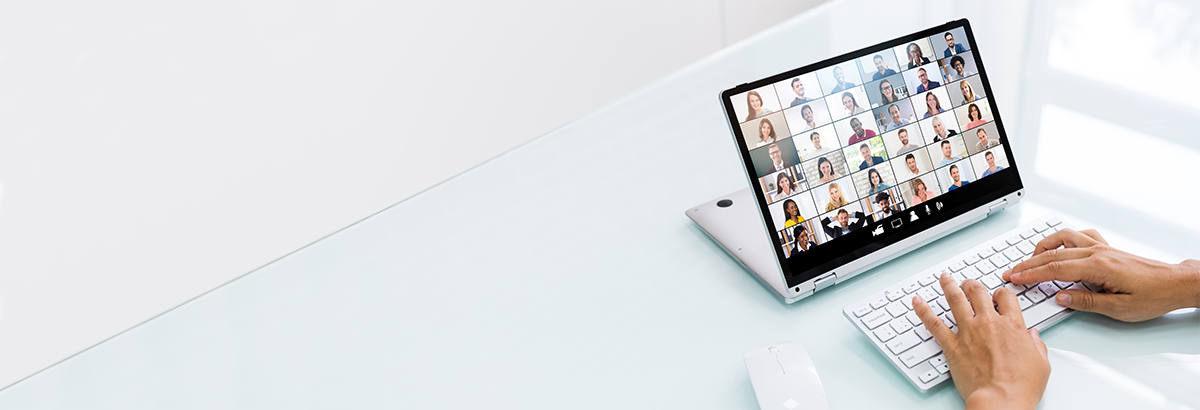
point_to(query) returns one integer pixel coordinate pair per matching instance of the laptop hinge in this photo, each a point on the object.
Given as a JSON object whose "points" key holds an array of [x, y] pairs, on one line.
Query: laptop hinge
{"points": [[825, 281], [997, 207]]}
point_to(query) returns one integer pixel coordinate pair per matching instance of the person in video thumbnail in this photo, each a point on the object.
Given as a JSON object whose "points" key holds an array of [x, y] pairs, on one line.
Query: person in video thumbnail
{"points": [[951, 47], [947, 159], [916, 57], [958, 64], [885, 205], [784, 187], [810, 122], [926, 84], [967, 92], [825, 170], [798, 88], [860, 134], [905, 147], [887, 94], [933, 105], [876, 180], [851, 104], [975, 116], [792, 212], [911, 162], [755, 103], [777, 162], [896, 122], [920, 193], [984, 142], [868, 159], [840, 76], [991, 161], [954, 176], [836, 198], [843, 223], [816, 142], [881, 68], [939, 130], [803, 242], [766, 133]]}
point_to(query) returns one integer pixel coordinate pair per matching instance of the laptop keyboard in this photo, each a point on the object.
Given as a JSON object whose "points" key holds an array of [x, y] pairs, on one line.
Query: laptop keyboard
{"points": [[888, 320]]}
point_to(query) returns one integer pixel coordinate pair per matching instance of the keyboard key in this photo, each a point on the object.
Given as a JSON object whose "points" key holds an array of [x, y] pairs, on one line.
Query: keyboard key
{"points": [[904, 342], [1025, 248], [972, 272], [1040, 312], [876, 318], [901, 326], [1041, 227], [998, 261], [1062, 284], [938, 288], [927, 280], [1035, 295], [943, 304], [936, 360], [948, 318], [928, 376], [942, 368], [1015, 239], [1012, 254], [894, 294], [957, 266], [897, 309], [884, 333], [999, 246], [985, 266], [936, 309], [907, 301], [1028, 233], [913, 319], [1017, 289], [862, 311], [918, 354], [1048, 289], [991, 281], [923, 332], [1054, 221], [928, 294], [1024, 302], [986, 253], [959, 277], [971, 260], [879, 303], [912, 287]]}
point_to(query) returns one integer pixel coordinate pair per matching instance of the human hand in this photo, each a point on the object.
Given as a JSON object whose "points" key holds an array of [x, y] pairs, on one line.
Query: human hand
{"points": [[994, 360], [1136, 288]]}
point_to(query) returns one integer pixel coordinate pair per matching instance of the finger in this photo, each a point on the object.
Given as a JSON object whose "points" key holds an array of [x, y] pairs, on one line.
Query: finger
{"points": [[1094, 234], [1066, 237], [957, 300], [1086, 301], [1044, 258], [940, 332], [1037, 341], [1068, 271], [1006, 302], [980, 300]]}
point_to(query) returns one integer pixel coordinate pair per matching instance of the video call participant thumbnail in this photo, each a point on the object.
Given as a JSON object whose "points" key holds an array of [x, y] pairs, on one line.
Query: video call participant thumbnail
{"points": [[952, 47], [982, 141], [798, 89], [860, 133], [802, 243], [785, 187], [837, 197], [791, 212], [916, 57], [775, 157], [920, 191], [925, 83], [955, 180], [868, 159], [991, 161], [843, 225], [894, 119], [754, 104], [905, 145], [840, 76], [884, 201], [881, 68], [947, 157]]}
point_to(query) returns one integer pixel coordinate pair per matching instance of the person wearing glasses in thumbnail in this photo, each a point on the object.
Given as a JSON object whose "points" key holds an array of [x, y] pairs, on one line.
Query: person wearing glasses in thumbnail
{"points": [[992, 167], [792, 212], [843, 224], [933, 105], [947, 159], [836, 198], [925, 85], [825, 171], [939, 130], [887, 94], [803, 242], [896, 122], [876, 180], [984, 142], [754, 103], [766, 133], [777, 162], [920, 193], [974, 115], [881, 68], [784, 187], [911, 162], [868, 159], [816, 143], [851, 104], [860, 134], [798, 88], [905, 147], [967, 92], [954, 176], [951, 47], [958, 64], [916, 57], [885, 206], [840, 76]]}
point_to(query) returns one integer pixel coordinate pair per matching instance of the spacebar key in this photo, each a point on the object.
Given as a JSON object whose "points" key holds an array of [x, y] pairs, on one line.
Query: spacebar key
{"points": [[1042, 311], [918, 354]]}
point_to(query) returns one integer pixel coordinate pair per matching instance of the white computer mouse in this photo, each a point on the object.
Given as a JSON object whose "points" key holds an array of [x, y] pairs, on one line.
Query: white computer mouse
{"points": [[785, 378]]}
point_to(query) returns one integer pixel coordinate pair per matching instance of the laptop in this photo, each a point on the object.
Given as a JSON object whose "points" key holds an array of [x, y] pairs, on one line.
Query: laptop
{"points": [[857, 159]]}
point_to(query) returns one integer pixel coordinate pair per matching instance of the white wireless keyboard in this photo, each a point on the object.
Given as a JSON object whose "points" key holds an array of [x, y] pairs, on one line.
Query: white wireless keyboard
{"points": [[887, 317]]}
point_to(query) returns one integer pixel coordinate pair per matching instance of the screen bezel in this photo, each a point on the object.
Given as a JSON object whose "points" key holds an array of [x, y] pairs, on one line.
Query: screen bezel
{"points": [[859, 244]]}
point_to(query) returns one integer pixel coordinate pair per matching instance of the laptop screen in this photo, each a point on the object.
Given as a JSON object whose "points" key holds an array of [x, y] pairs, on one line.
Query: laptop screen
{"points": [[857, 152]]}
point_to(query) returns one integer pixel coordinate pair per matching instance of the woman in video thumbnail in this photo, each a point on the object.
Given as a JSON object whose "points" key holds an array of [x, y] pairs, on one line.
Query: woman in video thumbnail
{"points": [[851, 104], [785, 187], [974, 115], [876, 180], [916, 57], [955, 176], [766, 133], [825, 170], [934, 106], [967, 91], [792, 212], [803, 243], [836, 199], [939, 130], [887, 93], [755, 104], [919, 193]]}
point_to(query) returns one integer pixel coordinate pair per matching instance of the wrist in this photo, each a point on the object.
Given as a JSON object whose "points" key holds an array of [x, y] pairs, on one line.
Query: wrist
{"points": [[1189, 276], [987, 398]]}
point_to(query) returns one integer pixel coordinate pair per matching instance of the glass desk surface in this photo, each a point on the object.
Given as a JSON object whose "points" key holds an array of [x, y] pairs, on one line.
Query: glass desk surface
{"points": [[562, 273]]}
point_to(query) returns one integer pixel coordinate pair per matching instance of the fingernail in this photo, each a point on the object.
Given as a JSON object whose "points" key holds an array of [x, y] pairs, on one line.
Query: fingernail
{"points": [[917, 300], [1006, 273], [1012, 276], [1064, 298], [945, 274]]}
